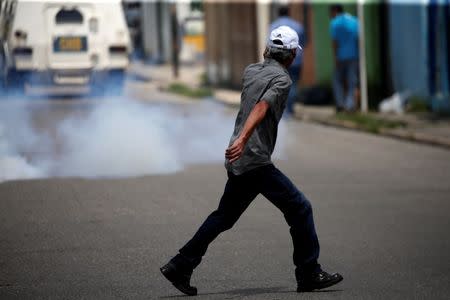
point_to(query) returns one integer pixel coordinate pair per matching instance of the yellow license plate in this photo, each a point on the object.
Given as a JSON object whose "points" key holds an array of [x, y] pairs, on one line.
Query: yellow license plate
{"points": [[70, 44]]}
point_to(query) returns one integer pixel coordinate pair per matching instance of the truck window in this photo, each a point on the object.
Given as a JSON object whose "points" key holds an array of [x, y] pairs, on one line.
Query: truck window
{"points": [[71, 16]]}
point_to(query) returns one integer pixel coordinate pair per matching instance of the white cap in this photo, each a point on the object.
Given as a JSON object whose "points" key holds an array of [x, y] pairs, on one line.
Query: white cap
{"points": [[286, 35]]}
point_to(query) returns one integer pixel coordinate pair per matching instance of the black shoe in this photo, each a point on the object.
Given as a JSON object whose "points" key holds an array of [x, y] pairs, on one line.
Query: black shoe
{"points": [[179, 279], [317, 281]]}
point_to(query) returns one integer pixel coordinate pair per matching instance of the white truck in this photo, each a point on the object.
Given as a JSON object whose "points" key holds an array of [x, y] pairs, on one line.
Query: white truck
{"points": [[77, 46]]}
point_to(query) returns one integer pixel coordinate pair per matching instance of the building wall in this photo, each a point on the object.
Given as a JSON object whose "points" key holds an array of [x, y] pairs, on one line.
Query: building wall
{"points": [[231, 41], [324, 62], [218, 60], [303, 13], [407, 46], [244, 43], [373, 45], [156, 31], [236, 34], [323, 59], [419, 50], [234, 40]]}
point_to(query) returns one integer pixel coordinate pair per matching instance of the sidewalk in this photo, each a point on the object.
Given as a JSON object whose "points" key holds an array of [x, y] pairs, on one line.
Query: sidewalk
{"points": [[420, 128], [162, 75]]}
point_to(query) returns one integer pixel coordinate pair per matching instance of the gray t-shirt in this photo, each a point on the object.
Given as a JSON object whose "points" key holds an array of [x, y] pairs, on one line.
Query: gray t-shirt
{"points": [[265, 81]]}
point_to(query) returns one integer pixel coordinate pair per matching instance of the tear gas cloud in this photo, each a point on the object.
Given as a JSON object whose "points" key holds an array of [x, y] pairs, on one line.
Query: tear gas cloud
{"points": [[116, 138]]}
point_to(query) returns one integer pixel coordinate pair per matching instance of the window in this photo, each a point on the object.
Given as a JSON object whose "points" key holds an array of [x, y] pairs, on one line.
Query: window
{"points": [[72, 16]]}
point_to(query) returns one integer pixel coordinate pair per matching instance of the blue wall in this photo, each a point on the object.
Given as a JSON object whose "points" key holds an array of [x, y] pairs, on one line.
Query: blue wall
{"points": [[408, 47], [419, 49]]}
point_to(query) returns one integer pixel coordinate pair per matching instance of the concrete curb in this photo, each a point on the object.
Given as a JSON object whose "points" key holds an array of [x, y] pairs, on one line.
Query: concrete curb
{"points": [[228, 97], [401, 135], [232, 98], [418, 137]]}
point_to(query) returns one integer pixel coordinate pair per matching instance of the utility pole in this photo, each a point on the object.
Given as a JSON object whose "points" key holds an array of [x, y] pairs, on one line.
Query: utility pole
{"points": [[362, 58], [175, 39]]}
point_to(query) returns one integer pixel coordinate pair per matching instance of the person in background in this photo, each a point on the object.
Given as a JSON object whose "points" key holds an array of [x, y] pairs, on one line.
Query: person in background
{"points": [[295, 69], [344, 30]]}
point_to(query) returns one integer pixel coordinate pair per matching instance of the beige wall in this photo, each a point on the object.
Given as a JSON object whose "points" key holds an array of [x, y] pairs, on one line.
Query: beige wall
{"points": [[236, 35], [231, 40]]}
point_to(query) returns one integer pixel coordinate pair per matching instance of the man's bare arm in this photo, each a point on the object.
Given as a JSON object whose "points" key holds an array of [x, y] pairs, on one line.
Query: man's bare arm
{"points": [[234, 152]]}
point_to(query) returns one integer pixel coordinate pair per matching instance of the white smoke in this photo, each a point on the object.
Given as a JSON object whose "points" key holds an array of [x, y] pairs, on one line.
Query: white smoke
{"points": [[16, 167], [117, 138], [15, 139]]}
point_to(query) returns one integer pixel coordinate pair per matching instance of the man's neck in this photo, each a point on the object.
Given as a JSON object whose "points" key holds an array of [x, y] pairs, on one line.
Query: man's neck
{"points": [[268, 59]]}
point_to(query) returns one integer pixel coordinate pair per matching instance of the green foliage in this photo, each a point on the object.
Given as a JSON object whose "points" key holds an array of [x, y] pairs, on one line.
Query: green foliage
{"points": [[417, 105], [369, 123], [182, 89], [204, 80]]}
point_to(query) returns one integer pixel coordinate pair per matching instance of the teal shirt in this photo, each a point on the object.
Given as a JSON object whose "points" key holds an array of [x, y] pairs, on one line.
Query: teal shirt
{"points": [[344, 30]]}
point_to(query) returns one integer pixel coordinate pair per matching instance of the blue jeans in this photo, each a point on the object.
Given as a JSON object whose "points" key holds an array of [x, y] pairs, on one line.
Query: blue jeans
{"points": [[239, 193], [346, 72]]}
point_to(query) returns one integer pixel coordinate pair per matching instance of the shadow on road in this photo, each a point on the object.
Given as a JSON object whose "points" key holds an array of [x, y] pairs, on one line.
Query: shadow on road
{"points": [[252, 292]]}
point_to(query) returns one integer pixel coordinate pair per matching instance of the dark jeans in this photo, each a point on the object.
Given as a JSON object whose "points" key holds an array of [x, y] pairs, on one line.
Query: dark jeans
{"points": [[346, 72], [239, 193]]}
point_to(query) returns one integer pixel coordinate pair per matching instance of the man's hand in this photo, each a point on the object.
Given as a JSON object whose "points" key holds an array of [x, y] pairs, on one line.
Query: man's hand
{"points": [[234, 152]]}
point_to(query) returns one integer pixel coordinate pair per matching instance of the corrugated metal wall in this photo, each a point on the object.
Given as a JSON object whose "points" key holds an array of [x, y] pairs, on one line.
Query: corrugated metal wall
{"points": [[408, 47], [419, 49], [303, 13], [399, 51], [438, 54], [231, 40]]}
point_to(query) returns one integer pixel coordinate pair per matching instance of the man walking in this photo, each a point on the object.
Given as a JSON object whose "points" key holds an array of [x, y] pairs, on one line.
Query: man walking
{"points": [[295, 69], [251, 172], [344, 33]]}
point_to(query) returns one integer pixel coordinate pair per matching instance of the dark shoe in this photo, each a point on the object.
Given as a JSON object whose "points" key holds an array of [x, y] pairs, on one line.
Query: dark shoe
{"points": [[318, 281], [179, 279]]}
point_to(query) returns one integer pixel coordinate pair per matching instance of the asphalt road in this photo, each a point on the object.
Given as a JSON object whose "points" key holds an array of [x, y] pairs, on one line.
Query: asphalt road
{"points": [[381, 209]]}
